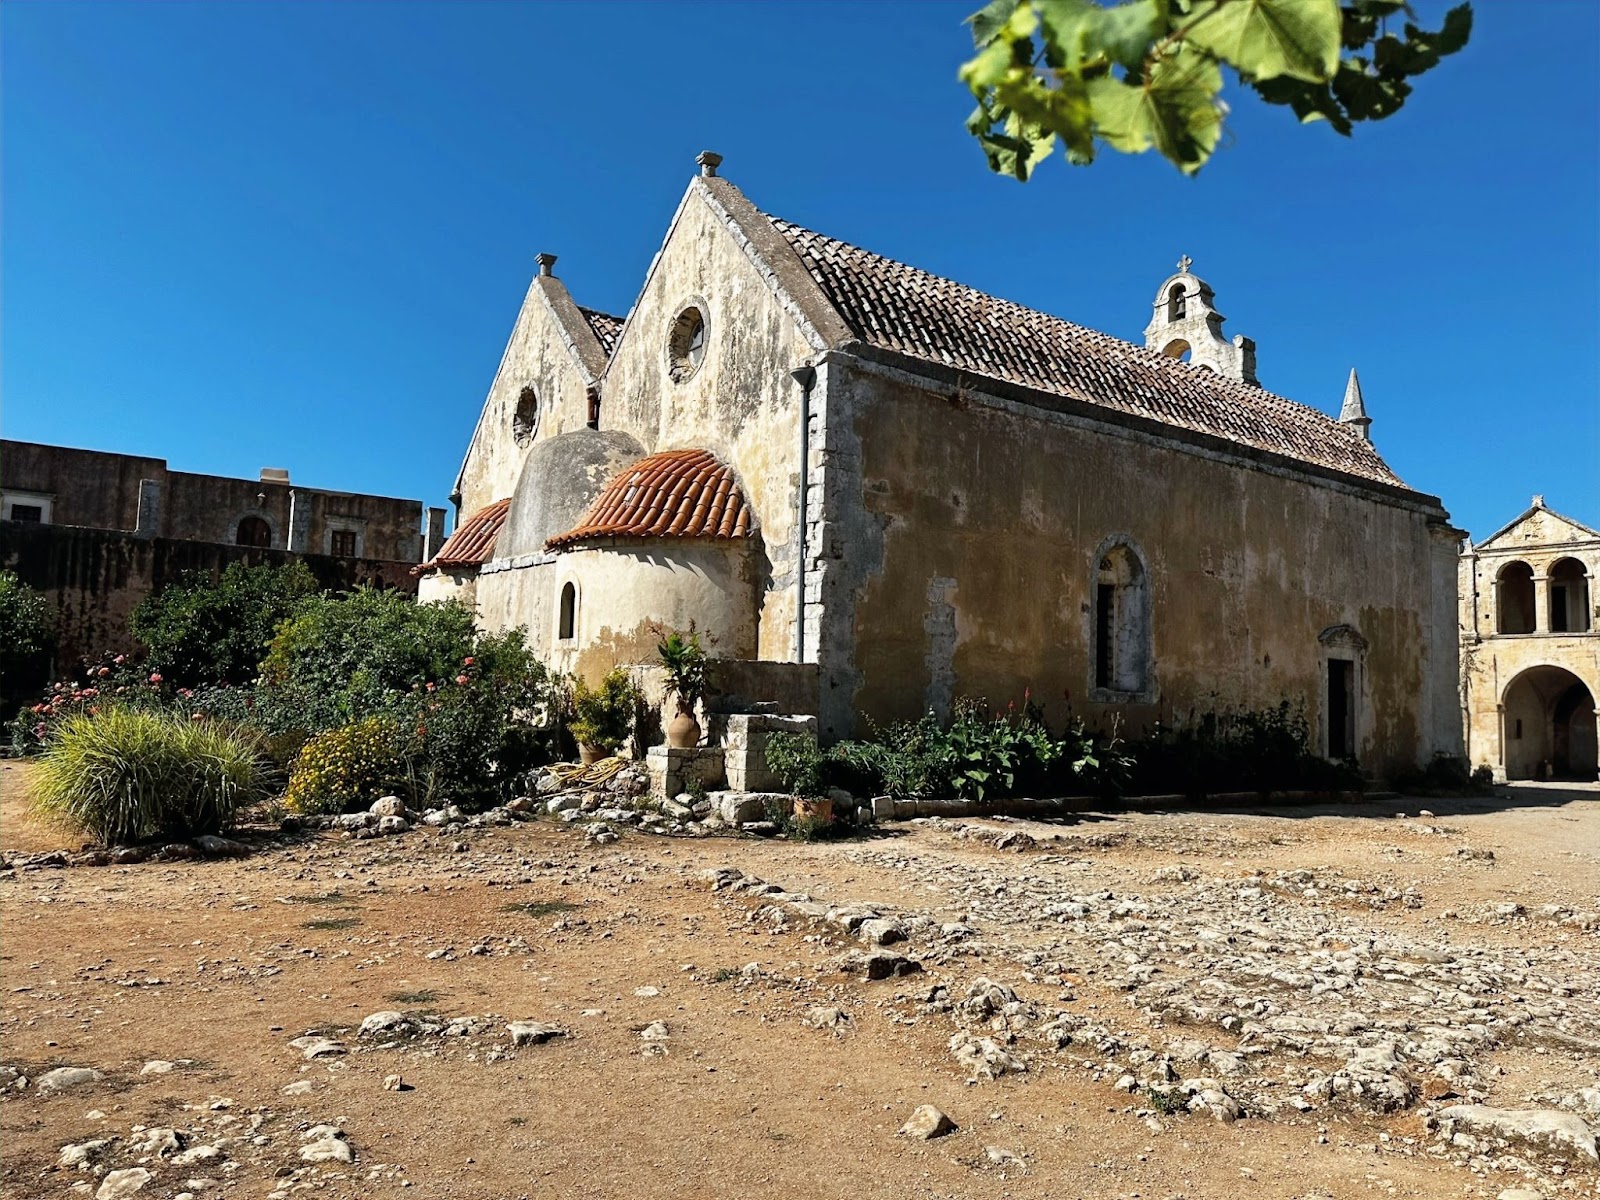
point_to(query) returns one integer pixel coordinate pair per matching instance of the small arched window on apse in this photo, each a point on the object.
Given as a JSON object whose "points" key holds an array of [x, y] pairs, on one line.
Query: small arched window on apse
{"points": [[568, 622], [1120, 632], [1569, 597], [1514, 602], [1177, 303], [525, 421], [253, 531]]}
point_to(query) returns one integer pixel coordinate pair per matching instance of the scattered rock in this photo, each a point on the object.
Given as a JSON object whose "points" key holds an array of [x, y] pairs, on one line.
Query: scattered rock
{"points": [[388, 806], [157, 1066], [927, 1123], [315, 1046], [62, 1078], [386, 1024], [533, 1033], [118, 1185], [878, 964], [82, 1155], [1548, 1131], [326, 1143]]}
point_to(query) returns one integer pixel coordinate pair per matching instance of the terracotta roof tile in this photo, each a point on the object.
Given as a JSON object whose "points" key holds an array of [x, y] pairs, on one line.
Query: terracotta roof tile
{"points": [[899, 308], [676, 493], [472, 544], [605, 327]]}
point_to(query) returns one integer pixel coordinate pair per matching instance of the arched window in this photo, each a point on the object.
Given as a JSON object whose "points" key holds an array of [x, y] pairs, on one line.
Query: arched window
{"points": [[1177, 303], [1120, 633], [525, 422], [253, 531], [569, 612], [1569, 597], [1514, 598], [1177, 348]]}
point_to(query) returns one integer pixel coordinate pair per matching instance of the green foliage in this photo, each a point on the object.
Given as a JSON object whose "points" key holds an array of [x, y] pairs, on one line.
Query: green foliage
{"points": [[981, 755], [349, 767], [115, 680], [27, 640], [202, 630], [798, 761], [126, 776], [1148, 73], [1446, 775], [686, 664], [344, 657], [1261, 751], [604, 716]]}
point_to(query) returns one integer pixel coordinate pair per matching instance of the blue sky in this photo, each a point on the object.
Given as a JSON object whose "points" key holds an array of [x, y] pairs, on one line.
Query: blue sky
{"points": [[239, 235]]}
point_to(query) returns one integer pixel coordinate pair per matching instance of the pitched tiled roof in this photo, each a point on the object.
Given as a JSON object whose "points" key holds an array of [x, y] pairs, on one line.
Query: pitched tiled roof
{"points": [[472, 544], [676, 494], [899, 308], [605, 326]]}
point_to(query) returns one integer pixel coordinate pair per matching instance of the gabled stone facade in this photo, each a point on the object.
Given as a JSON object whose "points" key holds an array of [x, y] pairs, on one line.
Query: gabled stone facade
{"points": [[950, 495], [1530, 655]]}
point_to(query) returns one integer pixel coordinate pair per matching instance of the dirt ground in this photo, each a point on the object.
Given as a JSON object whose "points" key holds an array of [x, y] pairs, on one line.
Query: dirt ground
{"points": [[215, 966]]}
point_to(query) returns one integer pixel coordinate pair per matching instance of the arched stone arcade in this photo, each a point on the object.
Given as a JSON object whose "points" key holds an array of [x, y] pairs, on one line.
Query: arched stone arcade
{"points": [[1548, 726]]}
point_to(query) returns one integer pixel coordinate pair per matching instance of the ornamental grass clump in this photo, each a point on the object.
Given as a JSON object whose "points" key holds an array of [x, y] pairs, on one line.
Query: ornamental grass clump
{"points": [[124, 776]]}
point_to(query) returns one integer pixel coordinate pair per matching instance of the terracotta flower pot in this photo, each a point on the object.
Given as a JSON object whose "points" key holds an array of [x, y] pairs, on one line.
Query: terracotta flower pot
{"points": [[589, 754], [683, 731], [807, 806]]}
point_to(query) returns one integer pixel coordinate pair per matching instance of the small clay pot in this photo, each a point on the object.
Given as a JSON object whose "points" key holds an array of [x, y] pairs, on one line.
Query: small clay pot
{"points": [[683, 731], [589, 754]]}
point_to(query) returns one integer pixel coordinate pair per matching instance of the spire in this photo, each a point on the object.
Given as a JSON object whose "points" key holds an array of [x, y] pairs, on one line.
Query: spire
{"points": [[1354, 411]]}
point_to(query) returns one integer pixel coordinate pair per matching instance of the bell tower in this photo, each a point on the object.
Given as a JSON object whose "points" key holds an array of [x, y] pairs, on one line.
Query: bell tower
{"points": [[1186, 325]]}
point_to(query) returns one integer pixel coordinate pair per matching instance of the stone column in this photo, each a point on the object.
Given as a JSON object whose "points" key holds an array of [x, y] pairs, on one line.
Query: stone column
{"points": [[1541, 603], [1500, 750]]}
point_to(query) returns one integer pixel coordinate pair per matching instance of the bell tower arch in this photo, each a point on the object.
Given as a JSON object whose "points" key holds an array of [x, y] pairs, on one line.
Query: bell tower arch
{"points": [[1185, 324]]}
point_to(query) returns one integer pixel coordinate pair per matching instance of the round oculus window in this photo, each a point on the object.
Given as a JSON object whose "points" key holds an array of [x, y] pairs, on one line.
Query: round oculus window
{"points": [[686, 344]]}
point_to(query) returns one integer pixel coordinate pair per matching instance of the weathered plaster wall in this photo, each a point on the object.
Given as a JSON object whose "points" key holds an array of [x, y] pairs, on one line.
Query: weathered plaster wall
{"points": [[461, 586], [741, 404], [1497, 689], [625, 589], [538, 354], [964, 545], [96, 577]]}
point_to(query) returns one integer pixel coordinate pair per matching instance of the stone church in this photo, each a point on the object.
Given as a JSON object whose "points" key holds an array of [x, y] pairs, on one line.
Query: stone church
{"points": [[879, 490], [1530, 654]]}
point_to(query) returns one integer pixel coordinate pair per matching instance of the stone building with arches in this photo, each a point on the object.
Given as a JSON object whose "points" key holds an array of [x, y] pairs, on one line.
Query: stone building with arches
{"points": [[880, 491], [1530, 655]]}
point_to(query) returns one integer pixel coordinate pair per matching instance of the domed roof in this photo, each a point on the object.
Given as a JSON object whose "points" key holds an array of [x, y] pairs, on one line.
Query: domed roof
{"points": [[560, 478], [673, 494]]}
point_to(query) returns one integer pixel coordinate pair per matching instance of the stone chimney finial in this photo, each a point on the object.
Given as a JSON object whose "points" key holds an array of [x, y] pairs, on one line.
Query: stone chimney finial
{"points": [[1354, 409], [545, 261], [709, 161]]}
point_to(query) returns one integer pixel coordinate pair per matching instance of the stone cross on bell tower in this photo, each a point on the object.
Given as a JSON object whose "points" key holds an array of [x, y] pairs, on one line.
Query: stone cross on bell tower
{"points": [[1186, 325]]}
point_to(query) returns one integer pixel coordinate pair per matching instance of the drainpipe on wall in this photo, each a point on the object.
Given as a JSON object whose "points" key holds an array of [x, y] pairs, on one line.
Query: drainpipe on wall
{"points": [[806, 377]]}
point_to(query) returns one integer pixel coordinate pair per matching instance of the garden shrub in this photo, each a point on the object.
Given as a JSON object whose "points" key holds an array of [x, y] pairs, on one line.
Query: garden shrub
{"points": [[1263, 750], [604, 716], [341, 658], [982, 755], [348, 767], [202, 630], [1446, 775], [27, 640], [127, 776]]}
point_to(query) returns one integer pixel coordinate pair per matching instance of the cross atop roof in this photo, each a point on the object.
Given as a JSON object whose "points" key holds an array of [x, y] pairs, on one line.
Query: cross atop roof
{"points": [[1185, 263]]}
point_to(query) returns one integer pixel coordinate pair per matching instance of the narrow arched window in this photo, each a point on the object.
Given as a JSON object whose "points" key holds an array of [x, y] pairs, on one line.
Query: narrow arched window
{"points": [[1121, 627], [1514, 600], [1177, 303], [253, 531], [569, 612], [525, 421]]}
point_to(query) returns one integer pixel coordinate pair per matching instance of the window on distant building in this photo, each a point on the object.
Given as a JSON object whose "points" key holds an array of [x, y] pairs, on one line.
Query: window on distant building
{"points": [[32, 513], [32, 507], [253, 531], [343, 543]]}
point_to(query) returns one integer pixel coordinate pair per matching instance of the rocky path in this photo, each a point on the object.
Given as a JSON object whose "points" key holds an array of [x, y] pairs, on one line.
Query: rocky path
{"points": [[1135, 1005]]}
